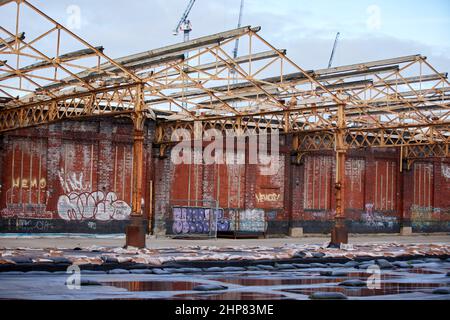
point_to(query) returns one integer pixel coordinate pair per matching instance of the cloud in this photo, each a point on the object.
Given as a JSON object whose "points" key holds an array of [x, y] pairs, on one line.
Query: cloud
{"points": [[309, 38], [313, 53], [306, 30]]}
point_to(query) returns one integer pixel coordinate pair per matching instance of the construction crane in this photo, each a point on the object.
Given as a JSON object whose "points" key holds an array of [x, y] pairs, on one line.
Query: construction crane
{"points": [[184, 24], [330, 63], [236, 46]]}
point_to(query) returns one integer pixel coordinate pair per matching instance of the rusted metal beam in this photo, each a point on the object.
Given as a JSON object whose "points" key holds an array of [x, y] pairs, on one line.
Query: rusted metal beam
{"points": [[80, 40], [5, 99], [105, 73], [156, 56], [437, 150], [386, 108], [11, 40], [136, 230], [371, 64], [46, 64], [339, 234], [181, 48], [3, 2], [218, 64], [347, 85], [106, 101], [287, 79]]}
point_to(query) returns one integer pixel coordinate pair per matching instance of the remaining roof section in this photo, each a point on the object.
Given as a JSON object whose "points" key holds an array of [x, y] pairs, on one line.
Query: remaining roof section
{"points": [[45, 53], [51, 73]]}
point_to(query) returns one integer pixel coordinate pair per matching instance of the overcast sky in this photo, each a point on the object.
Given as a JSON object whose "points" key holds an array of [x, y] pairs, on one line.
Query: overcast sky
{"points": [[370, 30]]}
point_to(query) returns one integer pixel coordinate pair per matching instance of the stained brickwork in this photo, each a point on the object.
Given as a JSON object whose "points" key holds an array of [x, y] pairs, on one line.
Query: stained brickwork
{"points": [[76, 177]]}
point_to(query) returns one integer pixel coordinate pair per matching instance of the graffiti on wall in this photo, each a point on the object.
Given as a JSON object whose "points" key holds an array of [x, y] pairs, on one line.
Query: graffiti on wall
{"points": [[92, 206], [79, 202], [376, 219], [425, 214], [34, 225], [36, 211], [322, 215], [249, 220], [25, 186], [188, 220], [71, 182], [445, 170], [224, 224], [424, 218], [21, 188], [271, 197], [33, 183], [272, 215]]}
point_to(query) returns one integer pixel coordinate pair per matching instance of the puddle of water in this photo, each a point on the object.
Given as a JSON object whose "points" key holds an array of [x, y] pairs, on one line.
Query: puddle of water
{"points": [[310, 279], [386, 289], [138, 286], [230, 296], [423, 271], [365, 275], [278, 282]]}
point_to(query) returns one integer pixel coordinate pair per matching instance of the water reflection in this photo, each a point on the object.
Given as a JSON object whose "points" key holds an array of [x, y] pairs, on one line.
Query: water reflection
{"points": [[136, 286], [394, 282], [385, 289], [308, 279], [230, 296]]}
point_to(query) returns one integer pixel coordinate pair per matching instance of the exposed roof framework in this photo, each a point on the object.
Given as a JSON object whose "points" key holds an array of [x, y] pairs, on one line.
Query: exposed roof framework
{"points": [[49, 74]]}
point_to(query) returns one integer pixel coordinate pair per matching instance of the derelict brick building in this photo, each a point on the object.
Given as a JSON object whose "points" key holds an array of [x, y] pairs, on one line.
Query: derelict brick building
{"points": [[76, 176]]}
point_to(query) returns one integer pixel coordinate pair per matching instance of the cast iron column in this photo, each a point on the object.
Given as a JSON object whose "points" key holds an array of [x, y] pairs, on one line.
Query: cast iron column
{"points": [[339, 233], [136, 230]]}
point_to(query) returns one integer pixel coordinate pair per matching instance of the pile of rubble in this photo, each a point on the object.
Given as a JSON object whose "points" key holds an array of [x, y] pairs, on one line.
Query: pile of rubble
{"points": [[157, 257]]}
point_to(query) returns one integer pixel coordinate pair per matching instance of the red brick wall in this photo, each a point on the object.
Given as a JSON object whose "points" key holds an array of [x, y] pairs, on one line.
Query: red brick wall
{"points": [[441, 196], [24, 180], [121, 178], [2, 153], [427, 199], [355, 170], [318, 182], [270, 188], [371, 188], [423, 186], [84, 168], [385, 178], [96, 156], [298, 192]]}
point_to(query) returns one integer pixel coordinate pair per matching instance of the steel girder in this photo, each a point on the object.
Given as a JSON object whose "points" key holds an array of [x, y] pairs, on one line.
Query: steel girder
{"points": [[400, 102]]}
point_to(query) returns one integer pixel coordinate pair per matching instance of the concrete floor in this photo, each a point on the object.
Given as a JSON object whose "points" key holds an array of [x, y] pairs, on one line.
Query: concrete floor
{"points": [[294, 284], [71, 242]]}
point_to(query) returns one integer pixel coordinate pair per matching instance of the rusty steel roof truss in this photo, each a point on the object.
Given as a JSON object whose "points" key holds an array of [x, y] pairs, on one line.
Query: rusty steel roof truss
{"points": [[401, 102]]}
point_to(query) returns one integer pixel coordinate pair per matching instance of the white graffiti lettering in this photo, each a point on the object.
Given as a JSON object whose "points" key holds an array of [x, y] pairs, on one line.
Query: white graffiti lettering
{"points": [[80, 203], [92, 206], [272, 197], [445, 170]]}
